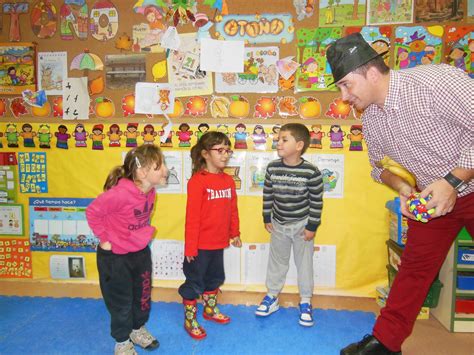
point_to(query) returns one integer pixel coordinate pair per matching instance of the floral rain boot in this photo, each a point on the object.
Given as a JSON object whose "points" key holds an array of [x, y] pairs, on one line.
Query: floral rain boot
{"points": [[211, 311], [190, 322]]}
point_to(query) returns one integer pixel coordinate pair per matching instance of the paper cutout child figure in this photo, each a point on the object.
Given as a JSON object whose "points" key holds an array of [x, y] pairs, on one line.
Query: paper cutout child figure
{"points": [[80, 136], [97, 137], [202, 128], [12, 135], [240, 136], [131, 134], [275, 131], [184, 135], [62, 137], [149, 134], [316, 136], [44, 136], [114, 135], [355, 137], [336, 135], [259, 137], [27, 134]]}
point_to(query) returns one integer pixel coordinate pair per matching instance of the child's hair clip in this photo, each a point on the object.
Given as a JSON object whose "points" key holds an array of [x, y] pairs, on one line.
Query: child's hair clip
{"points": [[138, 162]]}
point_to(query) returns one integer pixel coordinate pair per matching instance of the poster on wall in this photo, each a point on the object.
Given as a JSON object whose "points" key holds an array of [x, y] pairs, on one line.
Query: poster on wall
{"points": [[331, 167], [32, 172], [260, 73], [52, 72], [67, 267], [167, 258], [15, 258], [174, 163], [256, 166], [459, 47], [8, 184], [59, 224], [236, 169], [11, 219], [17, 65], [341, 13]]}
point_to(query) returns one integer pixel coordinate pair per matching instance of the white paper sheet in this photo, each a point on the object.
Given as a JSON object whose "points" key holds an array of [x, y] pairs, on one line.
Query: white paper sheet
{"points": [[222, 56]]}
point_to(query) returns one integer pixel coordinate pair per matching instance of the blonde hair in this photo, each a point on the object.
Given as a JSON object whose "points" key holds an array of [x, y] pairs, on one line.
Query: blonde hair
{"points": [[207, 141], [143, 156]]}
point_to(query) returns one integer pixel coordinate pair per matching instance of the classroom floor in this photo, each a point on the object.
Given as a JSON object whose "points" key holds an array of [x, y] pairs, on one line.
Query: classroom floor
{"points": [[429, 336]]}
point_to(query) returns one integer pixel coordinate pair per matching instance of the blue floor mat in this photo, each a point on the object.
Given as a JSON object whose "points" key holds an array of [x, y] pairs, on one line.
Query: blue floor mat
{"points": [[36, 325]]}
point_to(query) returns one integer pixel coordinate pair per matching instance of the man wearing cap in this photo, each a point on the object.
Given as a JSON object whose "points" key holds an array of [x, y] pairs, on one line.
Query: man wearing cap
{"points": [[423, 119]]}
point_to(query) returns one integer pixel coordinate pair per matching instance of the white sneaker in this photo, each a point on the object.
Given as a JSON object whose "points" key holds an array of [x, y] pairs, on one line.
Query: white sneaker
{"points": [[125, 348], [268, 306], [144, 339]]}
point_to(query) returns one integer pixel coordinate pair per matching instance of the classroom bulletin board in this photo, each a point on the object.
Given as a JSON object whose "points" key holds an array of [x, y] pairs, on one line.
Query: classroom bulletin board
{"points": [[88, 60]]}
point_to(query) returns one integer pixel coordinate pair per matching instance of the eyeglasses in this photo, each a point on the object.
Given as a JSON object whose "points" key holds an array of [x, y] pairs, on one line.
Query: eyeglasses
{"points": [[221, 151]]}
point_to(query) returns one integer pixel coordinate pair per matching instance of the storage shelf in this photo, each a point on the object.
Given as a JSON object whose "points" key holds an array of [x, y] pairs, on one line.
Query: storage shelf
{"points": [[464, 316], [462, 267], [466, 243], [464, 293]]}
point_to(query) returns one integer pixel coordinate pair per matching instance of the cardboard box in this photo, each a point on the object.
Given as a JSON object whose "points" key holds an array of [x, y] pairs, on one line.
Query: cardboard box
{"points": [[398, 223]]}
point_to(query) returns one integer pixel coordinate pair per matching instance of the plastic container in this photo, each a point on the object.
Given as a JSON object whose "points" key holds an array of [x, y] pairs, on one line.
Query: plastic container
{"points": [[464, 305], [465, 281], [398, 222], [394, 252], [432, 297], [465, 256], [464, 235]]}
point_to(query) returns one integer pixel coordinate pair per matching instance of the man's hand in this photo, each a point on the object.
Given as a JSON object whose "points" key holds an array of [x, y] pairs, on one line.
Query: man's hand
{"points": [[443, 197]]}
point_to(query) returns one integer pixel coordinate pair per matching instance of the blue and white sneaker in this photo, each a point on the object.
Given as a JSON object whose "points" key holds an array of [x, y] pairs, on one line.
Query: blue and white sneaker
{"points": [[306, 315], [268, 306]]}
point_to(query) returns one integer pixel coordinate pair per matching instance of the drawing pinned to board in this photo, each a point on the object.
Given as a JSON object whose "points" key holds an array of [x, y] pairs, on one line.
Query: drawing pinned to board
{"points": [[147, 36], [332, 170], [341, 13], [255, 168], [11, 219], [389, 12], [75, 99], [459, 47], [417, 45], [315, 73], [153, 98], [74, 18], [260, 73], [103, 20], [44, 19], [17, 65], [86, 61], [52, 71], [15, 9], [377, 36], [123, 71], [174, 163], [184, 71], [437, 12]]}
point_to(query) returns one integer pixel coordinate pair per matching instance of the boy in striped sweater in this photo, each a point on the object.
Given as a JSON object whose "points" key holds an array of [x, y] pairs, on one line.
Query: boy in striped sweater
{"points": [[292, 206]]}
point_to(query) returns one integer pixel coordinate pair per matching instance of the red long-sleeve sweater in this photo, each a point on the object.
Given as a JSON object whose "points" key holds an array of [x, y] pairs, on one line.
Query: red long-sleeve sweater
{"points": [[211, 212]]}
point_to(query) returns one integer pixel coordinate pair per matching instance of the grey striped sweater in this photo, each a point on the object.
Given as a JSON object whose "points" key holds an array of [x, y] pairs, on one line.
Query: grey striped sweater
{"points": [[293, 193]]}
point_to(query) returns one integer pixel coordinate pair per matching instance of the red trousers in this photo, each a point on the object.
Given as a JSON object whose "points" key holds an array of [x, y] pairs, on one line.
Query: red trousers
{"points": [[425, 251]]}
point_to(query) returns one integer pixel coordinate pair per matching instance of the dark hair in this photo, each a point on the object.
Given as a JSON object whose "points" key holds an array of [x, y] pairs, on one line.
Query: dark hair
{"points": [[378, 63], [207, 141], [143, 156], [202, 125], [299, 131], [183, 125]]}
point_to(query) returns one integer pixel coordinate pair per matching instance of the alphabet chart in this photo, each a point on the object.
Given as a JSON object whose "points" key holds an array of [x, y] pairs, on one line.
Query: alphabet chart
{"points": [[33, 172], [15, 258]]}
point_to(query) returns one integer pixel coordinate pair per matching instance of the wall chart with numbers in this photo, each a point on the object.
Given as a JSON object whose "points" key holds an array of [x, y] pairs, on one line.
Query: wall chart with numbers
{"points": [[59, 224], [33, 172]]}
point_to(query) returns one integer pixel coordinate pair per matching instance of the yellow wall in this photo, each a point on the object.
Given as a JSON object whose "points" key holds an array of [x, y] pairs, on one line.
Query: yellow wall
{"points": [[356, 224]]}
